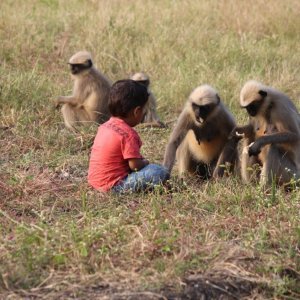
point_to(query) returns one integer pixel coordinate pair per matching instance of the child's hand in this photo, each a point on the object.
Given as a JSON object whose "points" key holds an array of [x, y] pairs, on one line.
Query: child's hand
{"points": [[135, 164], [146, 161]]}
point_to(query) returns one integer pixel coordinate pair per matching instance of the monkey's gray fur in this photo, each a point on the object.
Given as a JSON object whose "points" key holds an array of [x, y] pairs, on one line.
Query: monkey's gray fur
{"points": [[151, 118], [89, 101], [272, 137], [199, 139]]}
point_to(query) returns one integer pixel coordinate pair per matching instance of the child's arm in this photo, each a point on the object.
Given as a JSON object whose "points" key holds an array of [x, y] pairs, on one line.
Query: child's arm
{"points": [[136, 164]]}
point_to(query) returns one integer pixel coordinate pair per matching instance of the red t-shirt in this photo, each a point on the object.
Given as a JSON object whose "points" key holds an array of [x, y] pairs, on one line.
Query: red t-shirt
{"points": [[114, 144]]}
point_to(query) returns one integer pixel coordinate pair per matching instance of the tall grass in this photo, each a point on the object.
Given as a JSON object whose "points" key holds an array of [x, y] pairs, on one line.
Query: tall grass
{"points": [[56, 233]]}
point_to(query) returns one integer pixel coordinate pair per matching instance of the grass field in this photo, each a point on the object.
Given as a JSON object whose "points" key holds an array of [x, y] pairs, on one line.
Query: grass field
{"points": [[59, 239]]}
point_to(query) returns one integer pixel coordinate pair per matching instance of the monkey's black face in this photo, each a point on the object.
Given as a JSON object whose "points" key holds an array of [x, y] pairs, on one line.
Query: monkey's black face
{"points": [[254, 107], [202, 111], [78, 68]]}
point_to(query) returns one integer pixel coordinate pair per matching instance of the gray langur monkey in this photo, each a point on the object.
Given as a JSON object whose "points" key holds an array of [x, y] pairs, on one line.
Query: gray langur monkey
{"points": [[151, 118], [199, 138], [89, 101], [272, 137]]}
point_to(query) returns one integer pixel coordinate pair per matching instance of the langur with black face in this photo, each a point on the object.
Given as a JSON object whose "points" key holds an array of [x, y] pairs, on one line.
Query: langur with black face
{"points": [[272, 137], [89, 101], [199, 139], [151, 118]]}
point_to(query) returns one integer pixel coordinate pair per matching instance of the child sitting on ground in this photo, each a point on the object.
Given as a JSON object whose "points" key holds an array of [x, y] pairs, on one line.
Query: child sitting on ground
{"points": [[115, 162]]}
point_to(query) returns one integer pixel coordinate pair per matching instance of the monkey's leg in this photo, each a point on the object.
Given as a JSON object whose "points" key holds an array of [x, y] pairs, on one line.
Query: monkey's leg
{"points": [[279, 167], [73, 115], [249, 165], [151, 120], [154, 120], [186, 163], [69, 116], [152, 124], [227, 159]]}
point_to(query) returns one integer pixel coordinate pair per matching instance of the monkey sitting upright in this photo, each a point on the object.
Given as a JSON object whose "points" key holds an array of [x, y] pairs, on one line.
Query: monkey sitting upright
{"points": [[199, 139], [272, 137], [151, 118], [89, 102]]}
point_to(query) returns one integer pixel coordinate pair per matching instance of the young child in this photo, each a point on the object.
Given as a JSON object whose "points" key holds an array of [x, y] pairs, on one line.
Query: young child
{"points": [[116, 162]]}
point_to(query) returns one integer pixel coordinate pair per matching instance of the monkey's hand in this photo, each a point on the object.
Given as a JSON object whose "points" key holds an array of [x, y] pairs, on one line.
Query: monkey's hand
{"points": [[254, 149], [239, 135], [236, 134], [56, 103]]}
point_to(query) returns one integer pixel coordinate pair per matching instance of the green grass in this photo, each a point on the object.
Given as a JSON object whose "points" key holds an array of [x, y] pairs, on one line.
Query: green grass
{"points": [[58, 237]]}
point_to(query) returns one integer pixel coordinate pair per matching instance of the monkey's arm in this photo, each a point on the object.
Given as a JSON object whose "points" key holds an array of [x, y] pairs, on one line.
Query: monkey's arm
{"points": [[177, 136], [276, 138], [66, 100], [151, 118], [227, 159], [154, 120], [157, 124]]}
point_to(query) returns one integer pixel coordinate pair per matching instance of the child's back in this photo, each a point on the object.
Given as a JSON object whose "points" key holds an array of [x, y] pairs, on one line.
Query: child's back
{"points": [[115, 142], [116, 162]]}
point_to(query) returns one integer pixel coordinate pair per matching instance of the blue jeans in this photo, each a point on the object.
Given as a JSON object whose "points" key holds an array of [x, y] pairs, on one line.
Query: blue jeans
{"points": [[147, 177]]}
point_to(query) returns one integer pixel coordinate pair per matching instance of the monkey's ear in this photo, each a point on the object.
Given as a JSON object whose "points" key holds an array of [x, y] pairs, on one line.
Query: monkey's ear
{"points": [[263, 93], [218, 98]]}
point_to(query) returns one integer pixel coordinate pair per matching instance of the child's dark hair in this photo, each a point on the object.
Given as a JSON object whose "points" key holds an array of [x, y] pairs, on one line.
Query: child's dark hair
{"points": [[125, 95]]}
